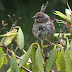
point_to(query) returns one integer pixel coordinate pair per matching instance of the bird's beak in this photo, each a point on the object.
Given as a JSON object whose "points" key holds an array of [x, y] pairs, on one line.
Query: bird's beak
{"points": [[34, 17]]}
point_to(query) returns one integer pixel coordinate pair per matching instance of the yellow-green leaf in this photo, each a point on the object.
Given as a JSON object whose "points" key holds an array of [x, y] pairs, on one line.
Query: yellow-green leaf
{"points": [[58, 60], [5, 61], [62, 15], [20, 39], [71, 54], [8, 40], [68, 61], [9, 37], [1, 57], [10, 33], [67, 42], [62, 61]]}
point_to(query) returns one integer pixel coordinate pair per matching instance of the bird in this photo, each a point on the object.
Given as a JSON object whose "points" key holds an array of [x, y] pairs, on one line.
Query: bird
{"points": [[43, 26], [43, 29]]}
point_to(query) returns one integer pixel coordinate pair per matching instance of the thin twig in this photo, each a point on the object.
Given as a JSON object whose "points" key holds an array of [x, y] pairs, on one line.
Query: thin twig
{"points": [[26, 69], [24, 51], [43, 7], [16, 49], [10, 18], [14, 17]]}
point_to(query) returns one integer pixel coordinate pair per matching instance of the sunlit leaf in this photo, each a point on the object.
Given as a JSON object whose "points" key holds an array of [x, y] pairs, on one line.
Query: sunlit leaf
{"points": [[68, 61], [39, 61], [62, 15], [1, 57], [7, 40], [5, 61], [13, 65], [11, 33], [62, 61], [51, 61], [67, 42], [71, 54], [20, 39], [58, 60]]}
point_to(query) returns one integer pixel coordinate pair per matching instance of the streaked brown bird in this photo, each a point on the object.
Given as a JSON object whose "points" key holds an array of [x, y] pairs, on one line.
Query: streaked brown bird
{"points": [[43, 27]]}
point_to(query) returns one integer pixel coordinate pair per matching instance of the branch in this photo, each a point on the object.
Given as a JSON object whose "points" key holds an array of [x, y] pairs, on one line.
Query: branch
{"points": [[43, 7], [16, 21], [10, 51], [26, 69]]}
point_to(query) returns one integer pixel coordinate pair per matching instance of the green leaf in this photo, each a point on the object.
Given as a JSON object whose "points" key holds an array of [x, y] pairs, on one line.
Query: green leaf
{"points": [[70, 54], [39, 61], [8, 40], [13, 65], [58, 60], [62, 15], [5, 61], [9, 37], [33, 54], [68, 61], [26, 56], [10, 33], [20, 39], [62, 61], [51, 61], [1, 57], [67, 42]]}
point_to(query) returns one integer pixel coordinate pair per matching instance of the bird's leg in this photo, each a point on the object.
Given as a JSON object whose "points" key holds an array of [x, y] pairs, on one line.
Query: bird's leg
{"points": [[42, 54], [42, 45]]}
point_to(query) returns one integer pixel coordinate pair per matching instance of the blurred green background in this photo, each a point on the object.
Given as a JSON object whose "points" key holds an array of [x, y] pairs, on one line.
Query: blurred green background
{"points": [[26, 9]]}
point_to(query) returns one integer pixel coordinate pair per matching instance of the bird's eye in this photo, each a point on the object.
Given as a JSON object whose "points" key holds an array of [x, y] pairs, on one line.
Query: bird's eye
{"points": [[38, 16]]}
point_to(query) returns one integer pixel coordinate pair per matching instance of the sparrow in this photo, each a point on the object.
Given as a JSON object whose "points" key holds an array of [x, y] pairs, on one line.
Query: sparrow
{"points": [[43, 27]]}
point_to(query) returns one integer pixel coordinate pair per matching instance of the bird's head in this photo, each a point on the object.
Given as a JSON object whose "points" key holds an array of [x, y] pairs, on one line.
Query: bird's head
{"points": [[41, 17]]}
